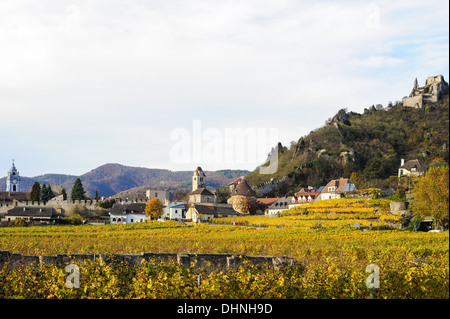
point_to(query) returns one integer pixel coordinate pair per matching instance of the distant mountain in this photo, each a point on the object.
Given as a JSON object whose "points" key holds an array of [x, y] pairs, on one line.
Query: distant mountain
{"points": [[110, 179]]}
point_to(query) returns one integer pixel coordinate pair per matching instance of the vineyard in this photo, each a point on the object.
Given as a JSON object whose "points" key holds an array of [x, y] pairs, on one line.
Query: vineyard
{"points": [[340, 213], [331, 261]]}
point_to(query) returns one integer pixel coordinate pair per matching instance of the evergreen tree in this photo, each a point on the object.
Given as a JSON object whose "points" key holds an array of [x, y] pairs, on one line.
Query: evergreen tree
{"points": [[46, 193], [63, 192], [96, 195], [43, 196], [50, 192], [77, 190], [35, 194]]}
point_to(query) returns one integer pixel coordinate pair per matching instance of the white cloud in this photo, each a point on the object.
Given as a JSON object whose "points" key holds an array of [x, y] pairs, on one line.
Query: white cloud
{"points": [[126, 73]]}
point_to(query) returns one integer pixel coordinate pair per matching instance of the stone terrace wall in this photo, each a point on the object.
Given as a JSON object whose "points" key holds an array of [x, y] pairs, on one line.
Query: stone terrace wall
{"points": [[209, 262]]}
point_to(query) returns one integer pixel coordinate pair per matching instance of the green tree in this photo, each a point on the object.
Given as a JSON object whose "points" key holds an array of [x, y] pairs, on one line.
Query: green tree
{"points": [[63, 192], [35, 194], [374, 169], [154, 208], [107, 203], [43, 195], [96, 196], [78, 190], [46, 193], [431, 195]]}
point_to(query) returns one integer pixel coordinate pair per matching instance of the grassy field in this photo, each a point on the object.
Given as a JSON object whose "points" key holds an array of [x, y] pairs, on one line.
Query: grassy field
{"points": [[332, 261]]}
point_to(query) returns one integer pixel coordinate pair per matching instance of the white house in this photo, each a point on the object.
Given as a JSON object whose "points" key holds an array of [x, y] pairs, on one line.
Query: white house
{"points": [[126, 213], [335, 188], [279, 206], [304, 196], [411, 168], [175, 210]]}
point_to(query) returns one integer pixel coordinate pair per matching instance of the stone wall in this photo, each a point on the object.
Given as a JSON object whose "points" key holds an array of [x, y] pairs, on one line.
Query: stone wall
{"points": [[209, 262], [398, 207], [60, 205]]}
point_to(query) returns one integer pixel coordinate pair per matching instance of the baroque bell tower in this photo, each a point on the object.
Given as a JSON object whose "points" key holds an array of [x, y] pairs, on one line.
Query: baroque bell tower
{"points": [[13, 179], [198, 179]]}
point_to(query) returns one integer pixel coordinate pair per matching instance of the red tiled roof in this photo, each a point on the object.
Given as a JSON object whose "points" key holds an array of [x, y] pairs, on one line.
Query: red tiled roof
{"points": [[267, 201]]}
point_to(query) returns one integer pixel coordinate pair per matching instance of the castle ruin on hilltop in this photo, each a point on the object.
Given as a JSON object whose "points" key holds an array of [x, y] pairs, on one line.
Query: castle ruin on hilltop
{"points": [[435, 87]]}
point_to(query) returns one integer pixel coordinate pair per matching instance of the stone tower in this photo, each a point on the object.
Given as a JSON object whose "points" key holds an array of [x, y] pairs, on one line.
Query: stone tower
{"points": [[13, 179], [198, 179]]}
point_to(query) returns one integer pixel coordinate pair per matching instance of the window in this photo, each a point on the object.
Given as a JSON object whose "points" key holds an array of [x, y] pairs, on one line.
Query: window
{"points": [[156, 194]]}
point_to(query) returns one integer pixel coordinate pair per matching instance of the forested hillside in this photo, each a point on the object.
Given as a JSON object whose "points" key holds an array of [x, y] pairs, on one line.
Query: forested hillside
{"points": [[369, 145]]}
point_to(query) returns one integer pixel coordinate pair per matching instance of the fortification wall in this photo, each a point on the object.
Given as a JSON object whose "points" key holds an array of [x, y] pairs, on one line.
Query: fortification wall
{"points": [[59, 204], [209, 262], [414, 101]]}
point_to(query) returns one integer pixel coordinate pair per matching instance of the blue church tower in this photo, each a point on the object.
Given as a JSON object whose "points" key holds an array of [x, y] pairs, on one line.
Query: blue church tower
{"points": [[13, 180]]}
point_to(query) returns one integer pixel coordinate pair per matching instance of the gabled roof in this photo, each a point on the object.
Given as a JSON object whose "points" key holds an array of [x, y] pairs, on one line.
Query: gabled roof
{"points": [[10, 196], [267, 201], [32, 211], [132, 208], [307, 192], [415, 163], [201, 191], [236, 181], [176, 204], [204, 209], [338, 183], [214, 210], [282, 203]]}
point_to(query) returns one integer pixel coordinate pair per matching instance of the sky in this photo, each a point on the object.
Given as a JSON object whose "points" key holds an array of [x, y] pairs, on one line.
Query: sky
{"points": [[180, 84]]}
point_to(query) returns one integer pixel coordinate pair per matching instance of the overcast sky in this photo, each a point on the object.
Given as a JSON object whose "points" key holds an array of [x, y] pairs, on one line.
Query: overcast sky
{"points": [[84, 83]]}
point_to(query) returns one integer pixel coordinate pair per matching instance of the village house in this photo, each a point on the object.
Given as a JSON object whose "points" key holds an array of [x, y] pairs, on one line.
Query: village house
{"points": [[43, 215], [205, 213], [126, 213], [411, 168], [304, 196], [233, 184], [279, 206], [175, 211], [336, 188], [265, 202]]}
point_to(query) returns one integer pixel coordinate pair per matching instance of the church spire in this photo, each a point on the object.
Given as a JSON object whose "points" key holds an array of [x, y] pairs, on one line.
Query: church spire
{"points": [[13, 179]]}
